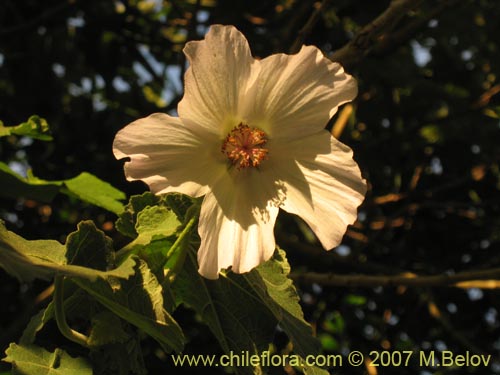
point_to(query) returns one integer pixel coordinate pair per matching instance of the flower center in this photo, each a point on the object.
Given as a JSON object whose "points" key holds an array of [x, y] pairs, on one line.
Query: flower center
{"points": [[244, 146]]}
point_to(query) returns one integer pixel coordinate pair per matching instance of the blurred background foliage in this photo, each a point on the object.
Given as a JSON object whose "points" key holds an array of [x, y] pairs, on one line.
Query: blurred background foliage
{"points": [[425, 131]]}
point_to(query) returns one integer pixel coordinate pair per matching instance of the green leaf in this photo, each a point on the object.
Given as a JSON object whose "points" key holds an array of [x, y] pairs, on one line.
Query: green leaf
{"points": [[155, 222], [15, 186], [114, 347], [139, 301], [77, 305], [106, 329], [33, 360], [85, 187], [119, 359], [180, 204], [36, 127], [91, 189], [271, 284], [89, 247], [242, 311], [127, 219], [36, 323], [238, 320], [28, 260]]}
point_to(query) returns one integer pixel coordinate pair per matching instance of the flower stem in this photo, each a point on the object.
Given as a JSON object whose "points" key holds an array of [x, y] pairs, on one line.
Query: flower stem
{"points": [[60, 314]]}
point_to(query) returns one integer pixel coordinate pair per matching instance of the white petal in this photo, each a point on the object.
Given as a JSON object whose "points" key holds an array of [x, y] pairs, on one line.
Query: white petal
{"points": [[328, 191], [170, 156], [293, 96], [236, 224], [217, 77]]}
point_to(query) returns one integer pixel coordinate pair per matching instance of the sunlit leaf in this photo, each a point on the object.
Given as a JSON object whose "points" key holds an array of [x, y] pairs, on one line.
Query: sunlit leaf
{"points": [[85, 187], [91, 189], [36, 127], [28, 260], [125, 223], [34, 360]]}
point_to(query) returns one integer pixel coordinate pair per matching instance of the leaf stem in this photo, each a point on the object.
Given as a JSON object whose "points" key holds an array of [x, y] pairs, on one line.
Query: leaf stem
{"points": [[182, 236], [60, 314]]}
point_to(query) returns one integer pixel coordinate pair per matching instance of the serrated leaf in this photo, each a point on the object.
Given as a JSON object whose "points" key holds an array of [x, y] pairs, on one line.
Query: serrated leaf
{"points": [[139, 301], [238, 320], [125, 223], [34, 360], [28, 260], [89, 247], [127, 220], [85, 187], [36, 127], [242, 311], [179, 203], [273, 287], [155, 222]]}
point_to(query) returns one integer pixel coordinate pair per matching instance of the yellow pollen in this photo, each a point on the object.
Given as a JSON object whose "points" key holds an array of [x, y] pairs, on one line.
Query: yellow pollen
{"points": [[244, 146]]}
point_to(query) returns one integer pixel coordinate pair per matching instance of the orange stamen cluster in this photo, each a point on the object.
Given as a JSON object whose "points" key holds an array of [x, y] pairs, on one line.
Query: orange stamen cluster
{"points": [[244, 146]]}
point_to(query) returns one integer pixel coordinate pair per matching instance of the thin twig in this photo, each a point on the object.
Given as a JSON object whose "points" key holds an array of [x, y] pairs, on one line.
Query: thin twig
{"points": [[308, 27], [407, 279]]}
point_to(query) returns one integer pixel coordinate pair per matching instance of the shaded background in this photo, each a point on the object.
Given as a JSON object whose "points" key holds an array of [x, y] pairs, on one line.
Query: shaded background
{"points": [[425, 131]]}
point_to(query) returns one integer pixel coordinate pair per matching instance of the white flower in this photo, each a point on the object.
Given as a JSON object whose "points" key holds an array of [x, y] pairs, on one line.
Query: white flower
{"points": [[250, 137]]}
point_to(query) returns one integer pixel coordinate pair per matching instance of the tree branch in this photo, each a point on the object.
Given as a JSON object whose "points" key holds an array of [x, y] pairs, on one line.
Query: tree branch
{"points": [[362, 43], [307, 28], [391, 41], [466, 279]]}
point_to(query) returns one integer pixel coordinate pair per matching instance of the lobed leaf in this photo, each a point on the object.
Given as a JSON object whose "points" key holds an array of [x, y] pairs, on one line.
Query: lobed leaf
{"points": [[139, 301], [242, 311], [28, 260]]}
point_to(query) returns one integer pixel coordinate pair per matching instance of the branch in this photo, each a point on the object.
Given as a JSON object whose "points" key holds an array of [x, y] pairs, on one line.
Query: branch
{"points": [[307, 28], [361, 45], [467, 279], [391, 41]]}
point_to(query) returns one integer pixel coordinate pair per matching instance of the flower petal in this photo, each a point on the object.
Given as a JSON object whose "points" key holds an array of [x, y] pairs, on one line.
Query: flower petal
{"points": [[236, 224], [170, 156], [330, 189], [217, 77], [293, 96]]}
